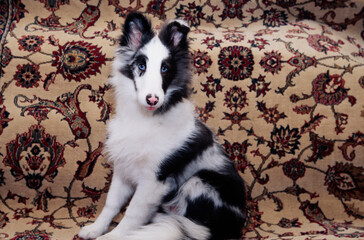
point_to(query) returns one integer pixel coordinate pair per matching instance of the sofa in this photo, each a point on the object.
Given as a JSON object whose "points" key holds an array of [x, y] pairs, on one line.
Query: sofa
{"points": [[280, 82]]}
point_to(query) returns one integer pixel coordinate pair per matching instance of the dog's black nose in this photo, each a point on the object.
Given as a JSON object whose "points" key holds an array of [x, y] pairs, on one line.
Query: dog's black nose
{"points": [[152, 99]]}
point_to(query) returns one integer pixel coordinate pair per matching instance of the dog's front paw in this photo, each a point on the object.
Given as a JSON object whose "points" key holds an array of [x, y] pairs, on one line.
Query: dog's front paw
{"points": [[108, 236], [91, 231]]}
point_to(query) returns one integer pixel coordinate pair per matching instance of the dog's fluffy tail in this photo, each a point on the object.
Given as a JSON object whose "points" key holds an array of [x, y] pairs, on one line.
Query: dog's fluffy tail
{"points": [[170, 227]]}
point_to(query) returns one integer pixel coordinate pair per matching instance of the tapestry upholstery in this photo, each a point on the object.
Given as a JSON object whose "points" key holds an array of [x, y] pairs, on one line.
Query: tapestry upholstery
{"points": [[280, 82]]}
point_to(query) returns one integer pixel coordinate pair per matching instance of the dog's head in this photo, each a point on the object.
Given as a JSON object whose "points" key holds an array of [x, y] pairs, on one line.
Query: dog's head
{"points": [[158, 64]]}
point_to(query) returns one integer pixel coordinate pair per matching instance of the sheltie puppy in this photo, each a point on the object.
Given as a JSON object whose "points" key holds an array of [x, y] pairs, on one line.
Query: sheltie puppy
{"points": [[180, 182]]}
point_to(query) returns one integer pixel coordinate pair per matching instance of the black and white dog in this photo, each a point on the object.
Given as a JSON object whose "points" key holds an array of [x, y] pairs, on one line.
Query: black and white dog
{"points": [[182, 184]]}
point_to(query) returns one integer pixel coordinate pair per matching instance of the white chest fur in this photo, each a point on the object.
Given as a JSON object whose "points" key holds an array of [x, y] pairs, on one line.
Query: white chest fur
{"points": [[138, 141]]}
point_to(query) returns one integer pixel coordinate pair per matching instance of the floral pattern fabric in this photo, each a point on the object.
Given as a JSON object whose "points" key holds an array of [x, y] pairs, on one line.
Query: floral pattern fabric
{"points": [[280, 82]]}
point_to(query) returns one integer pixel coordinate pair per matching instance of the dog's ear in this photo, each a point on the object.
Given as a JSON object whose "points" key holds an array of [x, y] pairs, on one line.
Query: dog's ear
{"points": [[137, 30], [174, 34]]}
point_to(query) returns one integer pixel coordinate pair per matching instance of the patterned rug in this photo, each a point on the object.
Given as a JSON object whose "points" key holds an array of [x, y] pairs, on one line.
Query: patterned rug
{"points": [[280, 82]]}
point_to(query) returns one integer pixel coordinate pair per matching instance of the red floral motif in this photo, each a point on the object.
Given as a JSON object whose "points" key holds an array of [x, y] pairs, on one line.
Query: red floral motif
{"points": [[33, 234], [205, 113], [27, 76], [87, 212], [201, 61], [329, 89], [237, 152], [31, 43], [235, 98], [35, 156], [270, 115], [259, 85], [294, 169], [212, 86], [284, 141], [78, 60], [322, 43], [191, 14], [274, 18], [234, 37], [236, 62], [54, 5], [233, 9], [321, 147], [271, 62], [156, 7]]}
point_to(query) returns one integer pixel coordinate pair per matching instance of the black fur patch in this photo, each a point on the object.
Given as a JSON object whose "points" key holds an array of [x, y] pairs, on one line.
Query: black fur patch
{"points": [[142, 24], [176, 163], [179, 75], [228, 184], [222, 221]]}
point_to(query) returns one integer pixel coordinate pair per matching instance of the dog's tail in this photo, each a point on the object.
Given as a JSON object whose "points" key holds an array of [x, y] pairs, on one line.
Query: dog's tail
{"points": [[170, 227]]}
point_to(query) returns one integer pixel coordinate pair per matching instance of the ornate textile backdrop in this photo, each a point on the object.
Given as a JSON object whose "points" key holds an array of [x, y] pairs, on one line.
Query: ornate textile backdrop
{"points": [[280, 81]]}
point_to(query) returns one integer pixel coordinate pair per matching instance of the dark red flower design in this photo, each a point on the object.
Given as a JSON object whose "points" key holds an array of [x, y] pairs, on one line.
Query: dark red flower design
{"points": [[234, 37], [235, 117], [34, 155], [321, 147], [78, 60], [274, 18], [22, 213], [201, 61], [87, 212], [191, 14], [284, 141], [32, 234], [271, 62], [211, 86], [211, 42], [27, 76], [329, 89], [289, 223], [322, 43], [235, 98], [31, 43], [204, 113], [236, 62], [156, 7], [294, 169], [233, 9], [341, 119], [259, 85], [345, 181], [270, 115], [237, 153]]}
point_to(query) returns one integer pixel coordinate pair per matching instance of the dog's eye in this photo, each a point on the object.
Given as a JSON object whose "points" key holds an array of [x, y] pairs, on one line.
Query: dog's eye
{"points": [[142, 67], [164, 68]]}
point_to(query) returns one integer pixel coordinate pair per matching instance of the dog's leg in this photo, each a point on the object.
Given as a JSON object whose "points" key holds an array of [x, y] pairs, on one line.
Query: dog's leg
{"points": [[142, 207], [117, 196]]}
